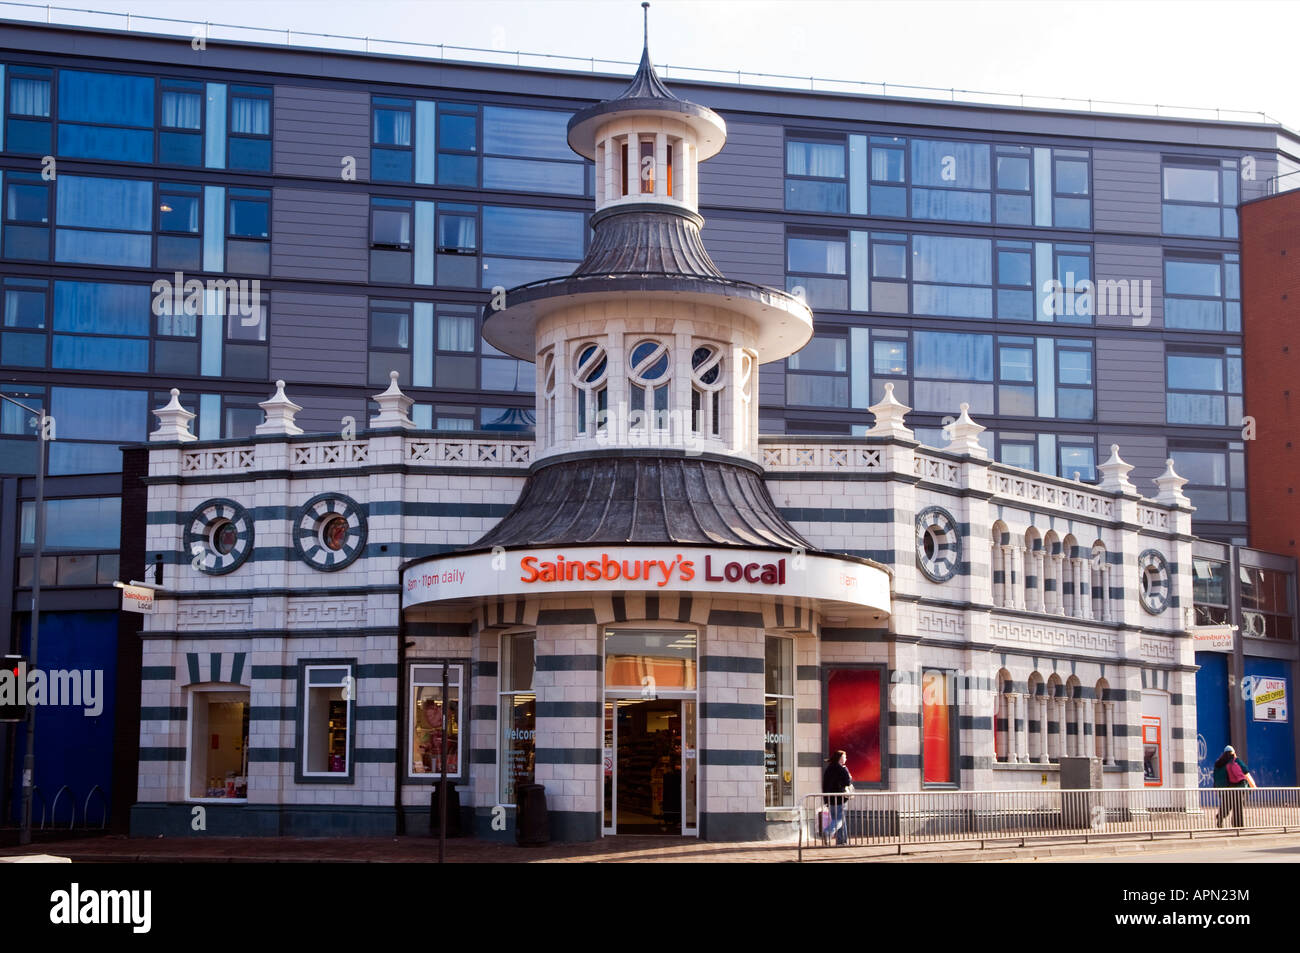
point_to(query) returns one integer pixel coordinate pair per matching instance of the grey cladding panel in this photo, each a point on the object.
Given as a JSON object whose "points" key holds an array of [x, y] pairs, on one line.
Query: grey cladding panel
{"points": [[1131, 379], [320, 234], [747, 250], [324, 414], [1130, 264], [319, 337], [771, 385], [1126, 188], [1145, 451], [749, 172], [315, 129]]}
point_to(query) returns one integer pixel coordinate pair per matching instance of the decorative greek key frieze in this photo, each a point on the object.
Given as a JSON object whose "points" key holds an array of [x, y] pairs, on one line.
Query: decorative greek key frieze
{"points": [[1053, 636], [937, 622], [214, 614], [1156, 649], [307, 613]]}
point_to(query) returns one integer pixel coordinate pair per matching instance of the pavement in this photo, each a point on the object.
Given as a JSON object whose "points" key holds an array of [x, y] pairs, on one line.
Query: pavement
{"points": [[117, 849]]}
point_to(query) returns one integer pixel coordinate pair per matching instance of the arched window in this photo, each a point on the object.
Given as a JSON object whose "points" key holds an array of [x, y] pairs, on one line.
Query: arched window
{"points": [[591, 379], [649, 372], [1001, 565], [745, 391], [1099, 573], [1072, 584], [707, 382]]}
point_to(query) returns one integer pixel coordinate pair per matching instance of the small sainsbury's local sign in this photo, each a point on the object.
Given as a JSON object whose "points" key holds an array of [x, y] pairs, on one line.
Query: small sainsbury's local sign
{"points": [[581, 569]]}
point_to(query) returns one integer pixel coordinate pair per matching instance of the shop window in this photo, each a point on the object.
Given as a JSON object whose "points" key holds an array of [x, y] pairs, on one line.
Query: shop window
{"points": [[779, 722], [218, 750], [650, 662], [327, 720], [82, 523], [430, 714], [939, 740], [517, 713], [815, 175], [1210, 594], [1152, 755], [853, 720]]}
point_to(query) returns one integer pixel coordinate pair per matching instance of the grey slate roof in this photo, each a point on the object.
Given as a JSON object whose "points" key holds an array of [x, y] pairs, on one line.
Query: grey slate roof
{"points": [[639, 498]]}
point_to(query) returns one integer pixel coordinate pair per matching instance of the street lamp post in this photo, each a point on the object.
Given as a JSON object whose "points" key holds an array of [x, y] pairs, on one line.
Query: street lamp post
{"points": [[29, 756]]}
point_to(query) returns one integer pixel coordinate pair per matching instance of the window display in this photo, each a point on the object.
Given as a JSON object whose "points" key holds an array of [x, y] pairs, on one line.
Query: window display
{"points": [[853, 720], [327, 719], [219, 745], [518, 714], [428, 712]]}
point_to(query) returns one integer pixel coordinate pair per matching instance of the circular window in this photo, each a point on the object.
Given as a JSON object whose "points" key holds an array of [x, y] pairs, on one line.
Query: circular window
{"points": [[1153, 582], [218, 536], [938, 543], [707, 370], [649, 361], [329, 532], [591, 364]]}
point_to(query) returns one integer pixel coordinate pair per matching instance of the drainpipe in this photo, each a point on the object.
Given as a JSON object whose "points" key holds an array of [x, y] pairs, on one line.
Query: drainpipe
{"points": [[401, 715]]}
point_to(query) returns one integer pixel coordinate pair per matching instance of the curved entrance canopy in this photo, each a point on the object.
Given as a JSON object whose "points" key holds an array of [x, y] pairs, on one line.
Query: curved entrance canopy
{"points": [[823, 580]]}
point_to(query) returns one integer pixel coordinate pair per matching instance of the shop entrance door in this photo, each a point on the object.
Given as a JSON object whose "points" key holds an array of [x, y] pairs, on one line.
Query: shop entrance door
{"points": [[650, 766]]}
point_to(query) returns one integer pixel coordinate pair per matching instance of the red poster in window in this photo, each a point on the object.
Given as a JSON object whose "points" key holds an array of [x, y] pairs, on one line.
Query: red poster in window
{"points": [[935, 724], [853, 719]]}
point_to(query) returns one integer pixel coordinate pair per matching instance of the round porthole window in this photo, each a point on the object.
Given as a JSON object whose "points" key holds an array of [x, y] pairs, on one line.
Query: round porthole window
{"points": [[1153, 582], [938, 543], [329, 532], [219, 534]]}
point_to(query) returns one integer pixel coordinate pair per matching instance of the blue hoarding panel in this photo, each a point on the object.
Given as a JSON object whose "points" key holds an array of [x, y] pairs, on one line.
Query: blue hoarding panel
{"points": [[1212, 724], [1271, 744]]}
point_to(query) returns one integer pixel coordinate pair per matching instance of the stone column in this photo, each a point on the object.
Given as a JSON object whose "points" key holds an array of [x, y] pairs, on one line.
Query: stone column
{"points": [[613, 153], [661, 165], [1042, 729], [1080, 598], [1022, 733], [1058, 575], [1016, 580]]}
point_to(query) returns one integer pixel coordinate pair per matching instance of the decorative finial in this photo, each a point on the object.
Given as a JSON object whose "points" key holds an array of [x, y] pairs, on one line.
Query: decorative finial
{"points": [[393, 407], [280, 411]]}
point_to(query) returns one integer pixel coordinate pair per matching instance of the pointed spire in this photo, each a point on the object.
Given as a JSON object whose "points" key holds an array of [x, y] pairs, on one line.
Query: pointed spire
{"points": [[965, 436], [393, 405], [646, 84], [889, 416], [1170, 485], [280, 411], [1114, 473], [173, 421]]}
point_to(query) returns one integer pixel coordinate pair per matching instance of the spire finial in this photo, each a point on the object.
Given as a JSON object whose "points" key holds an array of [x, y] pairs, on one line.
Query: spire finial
{"points": [[645, 7]]}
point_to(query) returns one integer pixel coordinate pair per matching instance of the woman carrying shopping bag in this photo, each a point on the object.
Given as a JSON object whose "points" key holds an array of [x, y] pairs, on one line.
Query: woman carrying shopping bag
{"points": [[837, 780]]}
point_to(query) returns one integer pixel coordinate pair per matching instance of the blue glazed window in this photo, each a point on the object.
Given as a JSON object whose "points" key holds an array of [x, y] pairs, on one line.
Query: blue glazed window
{"points": [[180, 134], [97, 218], [532, 233], [815, 175], [249, 139], [29, 97], [106, 116]]}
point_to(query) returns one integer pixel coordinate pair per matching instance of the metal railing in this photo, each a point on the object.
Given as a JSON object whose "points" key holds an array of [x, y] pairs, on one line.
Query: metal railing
{"points": [[1011, 818], [210, 31]]}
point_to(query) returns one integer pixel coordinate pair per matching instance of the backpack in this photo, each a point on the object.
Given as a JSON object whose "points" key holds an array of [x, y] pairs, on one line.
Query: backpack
{"points": [[1235, 774]]}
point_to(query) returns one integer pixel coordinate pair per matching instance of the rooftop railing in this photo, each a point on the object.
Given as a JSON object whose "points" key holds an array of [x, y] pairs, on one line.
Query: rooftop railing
{"points": [[237, 33]]}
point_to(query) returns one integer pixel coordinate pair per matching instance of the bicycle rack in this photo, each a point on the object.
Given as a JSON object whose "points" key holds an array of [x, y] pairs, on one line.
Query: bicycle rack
{"points": [[85, 813]]}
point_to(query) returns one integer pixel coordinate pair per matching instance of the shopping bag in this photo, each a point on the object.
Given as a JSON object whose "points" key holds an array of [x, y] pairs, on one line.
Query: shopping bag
{"points": [[1235, 774], [823, 819]]}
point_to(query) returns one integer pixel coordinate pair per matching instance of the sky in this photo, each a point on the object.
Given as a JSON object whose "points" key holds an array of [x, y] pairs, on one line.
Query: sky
{"points": [[1220, 54]]}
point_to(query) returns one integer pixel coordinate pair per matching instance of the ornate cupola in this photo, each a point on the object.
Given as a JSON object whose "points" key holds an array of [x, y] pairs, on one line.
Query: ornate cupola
{"points": [[647, 355]]}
